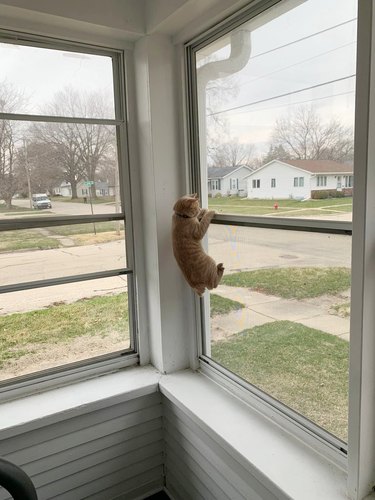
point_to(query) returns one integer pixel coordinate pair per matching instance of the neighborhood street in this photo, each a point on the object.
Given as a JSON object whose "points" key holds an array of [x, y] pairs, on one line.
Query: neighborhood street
{"points": [[238, 248]]}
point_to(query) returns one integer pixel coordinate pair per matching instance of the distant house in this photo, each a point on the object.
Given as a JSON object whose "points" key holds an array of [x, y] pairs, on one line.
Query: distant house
{"points": [[300, 179], [227, 180], [101, 188]]}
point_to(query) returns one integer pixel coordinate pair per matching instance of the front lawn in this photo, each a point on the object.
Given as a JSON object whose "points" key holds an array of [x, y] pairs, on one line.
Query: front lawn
{"points": [[304, 368], [21, 333], [222, 305], [25, 239], [293, 208], [293, 282]]}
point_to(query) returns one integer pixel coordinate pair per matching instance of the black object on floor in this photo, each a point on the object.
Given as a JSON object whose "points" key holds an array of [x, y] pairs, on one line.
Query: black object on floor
{"points": [[158, 496], [16, 481]]}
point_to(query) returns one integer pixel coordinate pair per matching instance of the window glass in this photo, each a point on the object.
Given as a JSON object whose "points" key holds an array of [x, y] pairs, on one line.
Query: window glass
{"points": [[52, 326], [55, 82], [282, 106], [280, 317], [74, 165], [62, 216], [55, 252]]}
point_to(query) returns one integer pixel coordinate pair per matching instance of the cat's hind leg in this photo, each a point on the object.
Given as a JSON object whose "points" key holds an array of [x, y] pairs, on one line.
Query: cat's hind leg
{"points": [[219, 275]]}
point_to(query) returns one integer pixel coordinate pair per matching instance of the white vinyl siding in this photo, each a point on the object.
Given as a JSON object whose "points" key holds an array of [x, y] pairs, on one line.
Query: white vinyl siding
{"points": [[289, 182], [100, 454]]}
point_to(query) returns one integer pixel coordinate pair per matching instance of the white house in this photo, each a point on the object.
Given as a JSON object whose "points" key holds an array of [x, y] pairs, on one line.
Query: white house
{"points": [[227, 180], [101, 188], [299, 179]]}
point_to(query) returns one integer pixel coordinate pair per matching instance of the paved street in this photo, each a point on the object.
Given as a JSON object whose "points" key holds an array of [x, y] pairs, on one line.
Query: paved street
{"points": [[65, 208]]}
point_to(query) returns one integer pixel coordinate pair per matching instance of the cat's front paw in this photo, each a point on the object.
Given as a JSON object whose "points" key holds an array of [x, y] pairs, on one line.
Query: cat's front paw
{"points": [[211, 213]]}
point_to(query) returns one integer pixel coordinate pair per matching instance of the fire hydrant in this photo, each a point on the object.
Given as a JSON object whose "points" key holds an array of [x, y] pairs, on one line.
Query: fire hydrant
{"points": [[276, 206]]}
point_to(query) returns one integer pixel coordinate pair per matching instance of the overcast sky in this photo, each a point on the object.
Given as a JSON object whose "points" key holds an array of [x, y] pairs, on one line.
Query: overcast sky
{"points": [[321, 47], [40, 73]]}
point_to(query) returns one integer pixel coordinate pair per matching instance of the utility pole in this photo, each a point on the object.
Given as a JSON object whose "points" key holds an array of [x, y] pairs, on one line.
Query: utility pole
{"points": [[28, 173]]}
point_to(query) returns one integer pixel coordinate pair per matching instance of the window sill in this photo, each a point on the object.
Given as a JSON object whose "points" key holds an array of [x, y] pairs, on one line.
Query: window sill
{"points": [[31, 412], [285, 465]]}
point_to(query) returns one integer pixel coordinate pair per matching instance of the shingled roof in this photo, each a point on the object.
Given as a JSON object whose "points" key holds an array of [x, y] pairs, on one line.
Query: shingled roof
{"points": [[322, 166], [220, 172]]}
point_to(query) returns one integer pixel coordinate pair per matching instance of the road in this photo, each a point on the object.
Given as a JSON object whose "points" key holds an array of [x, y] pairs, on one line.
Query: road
{"points": [[66, 208], [238, 248]]}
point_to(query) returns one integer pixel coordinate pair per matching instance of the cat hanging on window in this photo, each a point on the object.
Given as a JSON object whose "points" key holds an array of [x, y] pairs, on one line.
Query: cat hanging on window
{"points": [[189, 225]]}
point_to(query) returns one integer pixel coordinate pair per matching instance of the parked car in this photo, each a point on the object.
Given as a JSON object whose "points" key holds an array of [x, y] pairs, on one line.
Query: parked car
{"points": [[41, 201]]}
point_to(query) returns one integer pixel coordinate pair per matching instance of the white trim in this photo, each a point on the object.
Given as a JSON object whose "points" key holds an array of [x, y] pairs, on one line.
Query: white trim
{"points": [[361, 470], [285, 465]]}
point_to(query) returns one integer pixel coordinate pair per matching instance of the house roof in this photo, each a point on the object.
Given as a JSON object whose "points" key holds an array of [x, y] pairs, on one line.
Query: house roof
{"points": [[322, 166], [319, 167], [220, 172]]}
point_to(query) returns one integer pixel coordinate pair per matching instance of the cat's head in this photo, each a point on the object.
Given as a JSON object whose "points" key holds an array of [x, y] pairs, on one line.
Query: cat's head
{"points": [[188, 205]]}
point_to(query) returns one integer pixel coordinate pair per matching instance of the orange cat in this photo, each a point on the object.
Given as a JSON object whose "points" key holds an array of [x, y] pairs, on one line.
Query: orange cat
{"points": [[189, 225]]}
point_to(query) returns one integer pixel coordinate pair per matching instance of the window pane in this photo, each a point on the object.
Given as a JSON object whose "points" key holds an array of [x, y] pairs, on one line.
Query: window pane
{"points": [[65, 83], [281, 104], [49, 327], [74, 166], [54, 252], [280, 317]]}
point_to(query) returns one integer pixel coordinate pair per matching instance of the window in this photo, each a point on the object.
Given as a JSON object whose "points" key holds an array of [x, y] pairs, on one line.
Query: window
{"points": [[273, 183], [234, 183], [321, 180], [215, 185], [255, 328], [66, 264], [348, 179]]}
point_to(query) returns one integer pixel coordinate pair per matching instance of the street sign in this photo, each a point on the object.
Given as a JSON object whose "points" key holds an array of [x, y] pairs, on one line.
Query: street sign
{"points": [[89, 183]]}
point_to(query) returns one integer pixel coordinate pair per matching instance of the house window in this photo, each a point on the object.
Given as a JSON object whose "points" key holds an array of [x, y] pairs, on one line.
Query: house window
{"points": [[282, 359], [348, 179], [321, 180], [234, 183], [69, 296], [273, 183], [215, 184]]}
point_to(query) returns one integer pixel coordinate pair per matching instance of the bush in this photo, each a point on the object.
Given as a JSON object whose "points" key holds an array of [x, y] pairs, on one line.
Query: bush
{"points": [[326, 193]]}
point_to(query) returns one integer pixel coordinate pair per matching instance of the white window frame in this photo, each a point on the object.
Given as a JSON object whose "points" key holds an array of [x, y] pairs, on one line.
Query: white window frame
{"points": [[71, 372], [361, 443], [321, 181], [273, 182], [295, 182], [301, 181]]}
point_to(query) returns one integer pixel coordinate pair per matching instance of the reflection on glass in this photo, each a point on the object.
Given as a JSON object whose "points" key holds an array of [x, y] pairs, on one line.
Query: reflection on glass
{"points": [[54, 252], [73, 165], [55, 82], [276, 113], [280, 317], [48, 327]]}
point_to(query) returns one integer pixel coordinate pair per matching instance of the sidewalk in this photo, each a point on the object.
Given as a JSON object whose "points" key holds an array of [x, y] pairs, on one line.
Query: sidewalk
{"points": [[260, 309]]}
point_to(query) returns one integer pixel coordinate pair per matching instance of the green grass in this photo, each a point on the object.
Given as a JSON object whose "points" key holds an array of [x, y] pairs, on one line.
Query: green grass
{"points": [[304, 368], [25, 240], [222, 305], [293, 282], [5, 209], [243, 206], [342, 310], [21, 332]]}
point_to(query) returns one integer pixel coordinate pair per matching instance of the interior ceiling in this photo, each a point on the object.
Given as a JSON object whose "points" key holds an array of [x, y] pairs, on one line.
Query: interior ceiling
{"points": [[129, 19]]}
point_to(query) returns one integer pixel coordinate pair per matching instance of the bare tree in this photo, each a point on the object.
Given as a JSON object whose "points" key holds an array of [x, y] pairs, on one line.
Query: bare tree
{"points": [[231, 154], [61, 141], [303, 135], [79, 148], [10, 99]]}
